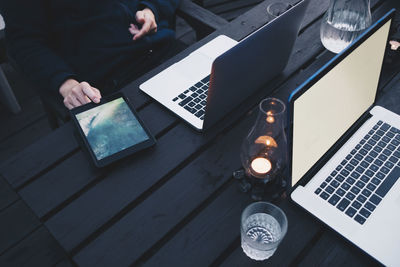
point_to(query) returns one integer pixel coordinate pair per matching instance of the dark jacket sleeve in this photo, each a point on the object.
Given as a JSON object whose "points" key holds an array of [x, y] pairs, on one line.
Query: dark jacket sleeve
{"points": [[164, 10], [396, 27], [28, 43]]}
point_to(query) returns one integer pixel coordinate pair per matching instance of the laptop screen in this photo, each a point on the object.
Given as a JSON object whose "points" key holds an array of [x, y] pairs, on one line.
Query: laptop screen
{"points": [[328, 108]]}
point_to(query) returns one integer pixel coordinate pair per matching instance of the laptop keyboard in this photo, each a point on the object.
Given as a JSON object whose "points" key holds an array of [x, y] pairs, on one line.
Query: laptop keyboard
{"points": [[194, 99], [363, 178]]}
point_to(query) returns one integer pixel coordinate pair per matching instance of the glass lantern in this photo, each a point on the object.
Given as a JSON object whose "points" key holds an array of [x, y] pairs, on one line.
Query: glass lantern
{"points": [[264, 150]]}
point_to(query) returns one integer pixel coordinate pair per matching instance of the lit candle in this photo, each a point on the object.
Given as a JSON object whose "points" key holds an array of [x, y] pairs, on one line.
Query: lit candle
{"points": [[261, 165]]}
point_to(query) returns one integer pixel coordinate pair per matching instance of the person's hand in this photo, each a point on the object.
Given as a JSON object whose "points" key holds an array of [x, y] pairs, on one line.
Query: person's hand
{"points": [[394, 45], [146, 18], [76, 94]]}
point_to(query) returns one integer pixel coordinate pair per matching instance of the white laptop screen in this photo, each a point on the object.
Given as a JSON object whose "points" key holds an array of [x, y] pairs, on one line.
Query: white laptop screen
{"points": [[323, 113]]}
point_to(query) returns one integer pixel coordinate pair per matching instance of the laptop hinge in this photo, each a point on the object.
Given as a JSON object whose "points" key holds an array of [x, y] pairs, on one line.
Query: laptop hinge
{"points": [[331, 152]]}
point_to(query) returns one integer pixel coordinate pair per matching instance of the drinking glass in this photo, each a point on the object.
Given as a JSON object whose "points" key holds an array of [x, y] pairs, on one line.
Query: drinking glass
{"points": [[263, 226]]}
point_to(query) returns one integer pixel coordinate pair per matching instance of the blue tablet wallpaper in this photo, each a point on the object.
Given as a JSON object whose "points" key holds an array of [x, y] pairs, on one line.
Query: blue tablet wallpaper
{"points": [[110, 128]]}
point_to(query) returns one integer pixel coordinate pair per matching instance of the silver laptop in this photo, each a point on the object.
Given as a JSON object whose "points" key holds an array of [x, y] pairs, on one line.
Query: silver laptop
{"points": [[345, 151], [211, 81]]}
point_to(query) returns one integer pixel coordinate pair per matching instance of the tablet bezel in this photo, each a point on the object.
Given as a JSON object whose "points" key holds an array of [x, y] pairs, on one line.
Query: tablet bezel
{"points": [[118, 155]]}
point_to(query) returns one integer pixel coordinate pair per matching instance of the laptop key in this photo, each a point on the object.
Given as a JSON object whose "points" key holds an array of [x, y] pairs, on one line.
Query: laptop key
{"points": [[360, 169], [176, 98], [339, 178], [390, 180], [391, 147], [393, 159], [375, 199], [359, 157], [191, 104], [328, 179], [387, 152], [373, 168], [364, 164], [206, 79], [384, 170], [318, 191], [375, 181], [185, 101], [340, 192], [203, 103], [345, 186], [355, 175], [364, 178], [323, 185], [350, 180], [350, 196], [350, 212], [355, 190], [356, 205], [324, 195], [385, 127], [369, 159], [371, 187], [365, 213], [380, 132], [397, 154], [343, 204], [349, 167], [199, 113], [369, 206], [380, 175], [361, 198], [360, 184], [359, 219], [389, 164], [334, 200], [366, 192], [335, 183], [189, 109], [329, 189]]}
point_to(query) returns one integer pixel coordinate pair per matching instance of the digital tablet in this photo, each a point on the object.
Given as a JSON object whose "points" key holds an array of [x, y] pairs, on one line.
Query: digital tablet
{"points": [[111, 129]]}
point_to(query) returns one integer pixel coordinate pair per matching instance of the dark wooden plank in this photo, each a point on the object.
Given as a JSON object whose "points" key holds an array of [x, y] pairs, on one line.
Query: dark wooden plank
{"points": [[31, 112], [7, 195], [16, 222], [65, 263], [333, 250], [74, 174], [233, 5], [38, 249], [23, 138], [39, 156], [130, 237], [213, 226]]}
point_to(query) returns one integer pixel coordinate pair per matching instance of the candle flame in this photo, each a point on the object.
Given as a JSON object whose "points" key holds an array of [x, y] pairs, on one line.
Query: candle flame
{"points": [[270, 117]]}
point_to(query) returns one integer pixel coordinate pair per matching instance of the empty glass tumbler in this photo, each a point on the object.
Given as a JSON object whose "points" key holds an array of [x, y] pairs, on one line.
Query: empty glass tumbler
{"points": [[343, 22], [263, 226]]}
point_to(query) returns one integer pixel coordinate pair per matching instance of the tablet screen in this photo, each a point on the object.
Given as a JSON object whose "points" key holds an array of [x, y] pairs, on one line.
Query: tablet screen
{"points": [[111, 128]]}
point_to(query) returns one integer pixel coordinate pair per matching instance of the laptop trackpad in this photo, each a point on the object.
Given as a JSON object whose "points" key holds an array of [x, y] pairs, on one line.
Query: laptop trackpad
{"points": [[194, 67]]}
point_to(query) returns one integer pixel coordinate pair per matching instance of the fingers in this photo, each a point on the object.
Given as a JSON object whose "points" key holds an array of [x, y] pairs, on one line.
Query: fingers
{"points": [[146, 18], [394, 45], [90, 93], [80, 94]]}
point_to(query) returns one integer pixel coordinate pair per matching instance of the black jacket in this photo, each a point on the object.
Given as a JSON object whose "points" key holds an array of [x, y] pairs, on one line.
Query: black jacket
{"points": [[53, 40]]}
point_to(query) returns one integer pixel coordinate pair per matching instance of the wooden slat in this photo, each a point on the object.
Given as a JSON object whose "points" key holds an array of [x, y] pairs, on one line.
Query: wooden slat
{"points": [[31, 111], [38, 249], [39, 156], [16, 222], [74, 173], [7, 195], [23, 138]]}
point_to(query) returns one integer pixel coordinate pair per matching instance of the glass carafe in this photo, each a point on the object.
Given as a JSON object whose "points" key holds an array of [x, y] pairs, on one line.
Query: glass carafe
{"points": [[264, 150], [343, 22]]}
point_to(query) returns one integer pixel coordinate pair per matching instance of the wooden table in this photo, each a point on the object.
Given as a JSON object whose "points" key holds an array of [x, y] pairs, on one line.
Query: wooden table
{"points": [[175, 204]]}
